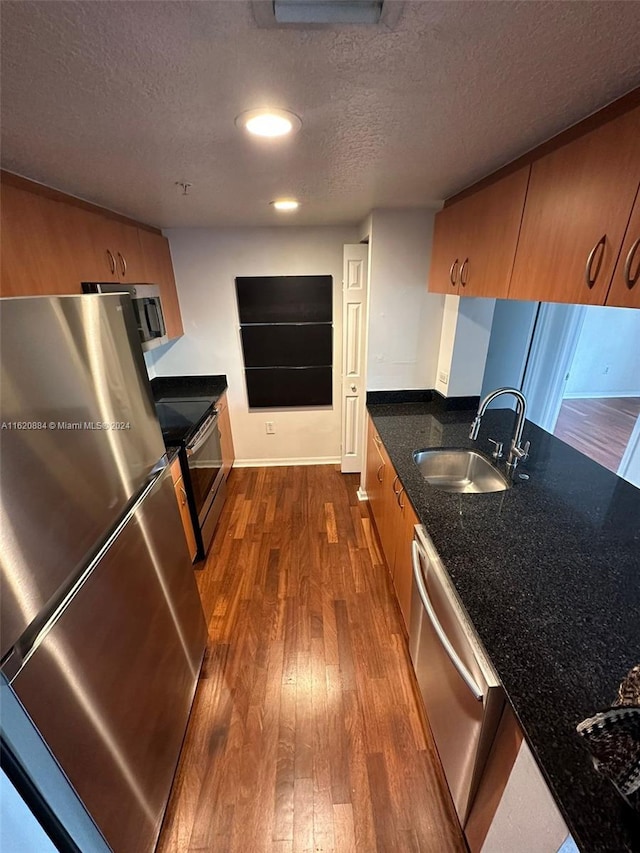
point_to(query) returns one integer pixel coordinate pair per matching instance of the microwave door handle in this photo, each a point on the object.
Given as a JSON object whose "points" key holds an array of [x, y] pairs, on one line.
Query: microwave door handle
{"points": [[462, 670], [153, 321]]}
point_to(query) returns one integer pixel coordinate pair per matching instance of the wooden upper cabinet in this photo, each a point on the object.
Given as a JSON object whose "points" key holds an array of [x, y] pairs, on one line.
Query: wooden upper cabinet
{"points": [[448, 237], [116, 249], [52, 242], [34, 260], [475, 239], [159, 269], [493, 218], [576, 214], [625, 285]]}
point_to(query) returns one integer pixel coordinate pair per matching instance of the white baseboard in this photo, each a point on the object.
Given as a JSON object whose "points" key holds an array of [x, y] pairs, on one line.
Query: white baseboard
{"points": [[279, 463], [362, 495], [599, 395]]}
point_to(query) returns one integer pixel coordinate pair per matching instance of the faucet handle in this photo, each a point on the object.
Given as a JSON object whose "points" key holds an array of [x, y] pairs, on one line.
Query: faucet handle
{"points": [[521, 453], [497, 453]]}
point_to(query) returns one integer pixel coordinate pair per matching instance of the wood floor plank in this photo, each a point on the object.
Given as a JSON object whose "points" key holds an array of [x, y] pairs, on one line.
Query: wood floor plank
{"points": [[598, 427], [306, 733]]}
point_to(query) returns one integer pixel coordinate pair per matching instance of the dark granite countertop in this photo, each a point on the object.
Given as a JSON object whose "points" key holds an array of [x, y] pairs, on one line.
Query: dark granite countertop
{"points": [[208, 387], [549, 573]]}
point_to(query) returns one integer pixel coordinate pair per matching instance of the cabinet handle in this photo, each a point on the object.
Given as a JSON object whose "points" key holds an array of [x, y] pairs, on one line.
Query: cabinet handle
{"points": [[629, 280], [123, 264], [398, 496], [184, 496], [393, 485], [378, 473], [590, 276], [463, 279], [453, 272], [112, 262], [377, 440]]}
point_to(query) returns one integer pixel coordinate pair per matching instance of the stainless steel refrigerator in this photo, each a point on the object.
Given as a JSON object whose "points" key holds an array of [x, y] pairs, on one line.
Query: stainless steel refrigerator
{"points": [[102, 631]]}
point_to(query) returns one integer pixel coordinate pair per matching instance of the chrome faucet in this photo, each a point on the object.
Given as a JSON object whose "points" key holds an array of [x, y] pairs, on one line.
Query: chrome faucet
{"points": [[516, 452]]}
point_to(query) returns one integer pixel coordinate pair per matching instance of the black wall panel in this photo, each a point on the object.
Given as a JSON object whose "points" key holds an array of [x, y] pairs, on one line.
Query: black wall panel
{"points": [[287, 339], [287, 345], [288, 386], [285, 299]]}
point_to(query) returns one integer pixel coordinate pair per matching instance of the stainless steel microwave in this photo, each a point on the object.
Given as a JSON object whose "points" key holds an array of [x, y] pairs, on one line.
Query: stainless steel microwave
{"points": [[147, 308]]}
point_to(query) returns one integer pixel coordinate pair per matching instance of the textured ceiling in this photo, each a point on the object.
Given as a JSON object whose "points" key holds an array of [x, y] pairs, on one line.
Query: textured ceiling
{"points": [[115, 101]]}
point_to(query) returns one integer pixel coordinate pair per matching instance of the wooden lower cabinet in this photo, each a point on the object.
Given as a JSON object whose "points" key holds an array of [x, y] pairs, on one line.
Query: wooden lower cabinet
{"points": [[403, 563], [226, 438], [394, 518], [377, 472], [183, 506]]}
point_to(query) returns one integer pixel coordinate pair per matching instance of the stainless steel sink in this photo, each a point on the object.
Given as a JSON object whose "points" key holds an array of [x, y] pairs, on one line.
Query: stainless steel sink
{"points": [[455, 469]]}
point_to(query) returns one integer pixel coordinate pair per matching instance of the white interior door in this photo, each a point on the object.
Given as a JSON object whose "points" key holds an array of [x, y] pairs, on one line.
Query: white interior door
{"points": [[354, 324]]}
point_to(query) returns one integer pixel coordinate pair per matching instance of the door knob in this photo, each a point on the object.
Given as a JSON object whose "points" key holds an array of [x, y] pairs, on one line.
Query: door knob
{"points": [[354, 387]]}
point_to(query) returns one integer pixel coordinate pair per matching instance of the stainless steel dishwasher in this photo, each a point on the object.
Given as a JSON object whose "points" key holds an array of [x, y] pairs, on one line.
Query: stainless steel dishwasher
{"points": [[461, 692]]}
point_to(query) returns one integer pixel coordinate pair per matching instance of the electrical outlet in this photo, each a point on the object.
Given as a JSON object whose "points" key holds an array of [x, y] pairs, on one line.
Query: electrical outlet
{"points": [[444, 377], [270, 428]]}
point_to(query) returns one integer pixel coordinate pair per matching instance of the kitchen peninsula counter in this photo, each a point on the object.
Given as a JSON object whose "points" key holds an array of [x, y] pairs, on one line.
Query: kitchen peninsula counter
{"points": [[549, 573]]}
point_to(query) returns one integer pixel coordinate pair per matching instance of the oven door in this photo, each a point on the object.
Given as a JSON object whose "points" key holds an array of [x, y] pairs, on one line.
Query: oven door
{"points": [[204, 457]]}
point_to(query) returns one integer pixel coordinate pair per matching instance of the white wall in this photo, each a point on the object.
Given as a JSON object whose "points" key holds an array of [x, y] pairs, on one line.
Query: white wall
{"points": [[466, 330], [404, 319], [606, 362], [206, 262], [509, 343]]}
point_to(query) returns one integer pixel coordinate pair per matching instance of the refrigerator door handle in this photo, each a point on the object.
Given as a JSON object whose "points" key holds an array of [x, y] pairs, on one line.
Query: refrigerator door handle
{"points": [[416, 553]]}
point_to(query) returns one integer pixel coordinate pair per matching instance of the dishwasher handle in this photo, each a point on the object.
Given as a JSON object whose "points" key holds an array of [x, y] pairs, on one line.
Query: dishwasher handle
{"points": [[416, 552]]}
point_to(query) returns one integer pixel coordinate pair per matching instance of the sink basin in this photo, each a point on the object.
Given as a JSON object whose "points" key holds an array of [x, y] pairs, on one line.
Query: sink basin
{"points": [[455, 469]]}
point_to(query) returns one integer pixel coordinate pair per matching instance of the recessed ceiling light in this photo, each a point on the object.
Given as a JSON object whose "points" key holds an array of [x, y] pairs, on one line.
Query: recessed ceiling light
{"points": [[285, 204], [269, 123]]}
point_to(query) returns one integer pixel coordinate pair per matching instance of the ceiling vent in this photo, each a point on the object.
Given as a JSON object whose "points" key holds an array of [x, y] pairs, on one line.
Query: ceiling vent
{"points": [[326, 13]]}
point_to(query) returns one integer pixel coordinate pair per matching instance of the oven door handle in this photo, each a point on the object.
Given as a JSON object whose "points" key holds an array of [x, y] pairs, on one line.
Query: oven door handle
{"points": [[202, 435], [463, 672]]}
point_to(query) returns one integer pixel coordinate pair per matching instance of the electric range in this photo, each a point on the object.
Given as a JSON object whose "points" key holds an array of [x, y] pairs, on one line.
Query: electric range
{"points": [[191, 424]]}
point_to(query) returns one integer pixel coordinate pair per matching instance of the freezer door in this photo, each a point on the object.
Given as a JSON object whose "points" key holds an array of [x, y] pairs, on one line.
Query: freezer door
{"points": [[111, 682], [79, 436]]}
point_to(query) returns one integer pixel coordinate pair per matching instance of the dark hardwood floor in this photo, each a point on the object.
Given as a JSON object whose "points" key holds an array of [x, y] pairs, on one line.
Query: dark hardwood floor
{"points": [[306, 734], [599, 427]]}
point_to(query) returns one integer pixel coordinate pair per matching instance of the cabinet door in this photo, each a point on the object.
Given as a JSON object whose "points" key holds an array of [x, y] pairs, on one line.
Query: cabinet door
{"points": [[625, 286], [183, 507], [492, 225], [375, 477], [35, 261], [96, 241], [80, 231], [390, 511], [226, 438], [448, 237], [403, 566], [576, 213], [159, 268], [129, 254]]}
